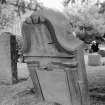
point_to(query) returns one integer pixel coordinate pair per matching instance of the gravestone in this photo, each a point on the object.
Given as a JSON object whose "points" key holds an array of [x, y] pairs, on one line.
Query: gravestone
{"points": [[7, 59], [54, 58], [94, 59]]}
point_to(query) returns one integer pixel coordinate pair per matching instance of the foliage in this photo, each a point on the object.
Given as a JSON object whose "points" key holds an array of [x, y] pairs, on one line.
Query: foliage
{"points": [[67, 2], [6, 16], [9, 9], [25, 5], [86, 20]]}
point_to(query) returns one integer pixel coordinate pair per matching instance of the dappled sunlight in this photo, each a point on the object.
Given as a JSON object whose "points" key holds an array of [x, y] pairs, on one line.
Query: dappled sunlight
{"points": [[53, 4]]}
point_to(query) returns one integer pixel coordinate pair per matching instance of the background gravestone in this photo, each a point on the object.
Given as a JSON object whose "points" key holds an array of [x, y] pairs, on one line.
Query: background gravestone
{"points": [[6, 58], [94, 59]]}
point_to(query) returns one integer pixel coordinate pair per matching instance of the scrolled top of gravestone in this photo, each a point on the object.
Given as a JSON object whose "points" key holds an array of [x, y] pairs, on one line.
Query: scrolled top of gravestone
{"points": [[58, 26]]}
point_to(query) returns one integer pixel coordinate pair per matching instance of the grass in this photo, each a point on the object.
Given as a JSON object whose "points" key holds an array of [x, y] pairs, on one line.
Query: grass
{"points": [[96, 82]]}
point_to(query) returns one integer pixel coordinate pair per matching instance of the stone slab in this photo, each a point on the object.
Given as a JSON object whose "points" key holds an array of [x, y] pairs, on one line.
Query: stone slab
{"points": [[5, 59], [94, 59], [54, 86]]}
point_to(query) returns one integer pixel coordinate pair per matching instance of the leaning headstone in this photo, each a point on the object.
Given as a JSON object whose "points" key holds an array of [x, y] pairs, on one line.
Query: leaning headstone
{"points": [[6, 63], [94, 59], [48, 45]]}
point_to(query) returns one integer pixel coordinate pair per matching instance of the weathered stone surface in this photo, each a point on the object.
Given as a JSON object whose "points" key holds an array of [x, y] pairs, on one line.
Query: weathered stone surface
{"points": [[5, 59], [54, 86]]}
